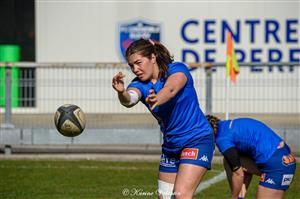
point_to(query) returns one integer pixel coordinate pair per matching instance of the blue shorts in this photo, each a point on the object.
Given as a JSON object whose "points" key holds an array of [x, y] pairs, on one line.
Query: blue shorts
{"points": [[198, 152], [278, 172]]}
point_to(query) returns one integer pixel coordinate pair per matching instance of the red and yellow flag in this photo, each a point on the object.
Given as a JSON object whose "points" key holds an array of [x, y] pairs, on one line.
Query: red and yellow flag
{"points": [[232, 65]]}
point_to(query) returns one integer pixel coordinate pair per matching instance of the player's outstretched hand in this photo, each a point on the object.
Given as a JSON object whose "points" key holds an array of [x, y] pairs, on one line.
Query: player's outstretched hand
{"points": [[152, 99], [118, 82]]}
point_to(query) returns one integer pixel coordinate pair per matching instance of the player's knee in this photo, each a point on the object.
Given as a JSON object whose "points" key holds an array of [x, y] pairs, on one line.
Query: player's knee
{"points": [[165, 190], [182, 192]]}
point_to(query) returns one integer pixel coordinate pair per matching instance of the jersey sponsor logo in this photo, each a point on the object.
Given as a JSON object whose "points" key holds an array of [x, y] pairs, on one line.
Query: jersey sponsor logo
{"points": [[270, 181], [189, 153], [262, 177], [204, 158], [287, 179], [288, 159], [134, 30]]}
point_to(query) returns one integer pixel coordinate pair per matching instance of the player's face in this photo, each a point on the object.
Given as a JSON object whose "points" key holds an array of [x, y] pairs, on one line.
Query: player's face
{"points": [[141, 66]]}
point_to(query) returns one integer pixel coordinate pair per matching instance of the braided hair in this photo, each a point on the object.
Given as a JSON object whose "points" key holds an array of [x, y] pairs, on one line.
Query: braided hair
{"points": [[213, 120]]}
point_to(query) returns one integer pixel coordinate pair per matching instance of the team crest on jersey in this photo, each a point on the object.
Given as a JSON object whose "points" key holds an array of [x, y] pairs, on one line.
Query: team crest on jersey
{"points": [[189, 153], [288, 159], [131, 31]]}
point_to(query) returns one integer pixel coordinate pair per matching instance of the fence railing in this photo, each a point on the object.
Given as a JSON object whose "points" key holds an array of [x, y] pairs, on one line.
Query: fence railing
{"points": [[266, 91], [261, 88]]}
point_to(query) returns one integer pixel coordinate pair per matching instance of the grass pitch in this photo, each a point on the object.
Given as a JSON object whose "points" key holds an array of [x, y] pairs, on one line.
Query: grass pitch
{"points": [[22, 179]]}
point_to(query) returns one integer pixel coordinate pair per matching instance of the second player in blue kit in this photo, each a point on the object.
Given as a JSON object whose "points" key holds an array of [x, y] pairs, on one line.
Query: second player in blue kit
{"points": [[261, 150]]}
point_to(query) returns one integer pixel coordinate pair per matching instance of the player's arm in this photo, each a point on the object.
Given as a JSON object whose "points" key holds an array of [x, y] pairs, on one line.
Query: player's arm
{"points": [[129, 97], [174, 84], [232, 157]]}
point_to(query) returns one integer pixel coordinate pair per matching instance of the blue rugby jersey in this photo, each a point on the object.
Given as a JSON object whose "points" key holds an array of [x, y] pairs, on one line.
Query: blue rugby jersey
{"points": [[181, 119], [248, 136]]}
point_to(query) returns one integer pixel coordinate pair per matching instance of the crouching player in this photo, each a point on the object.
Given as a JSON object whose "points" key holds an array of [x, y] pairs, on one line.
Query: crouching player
{"points": [[250, 147]]}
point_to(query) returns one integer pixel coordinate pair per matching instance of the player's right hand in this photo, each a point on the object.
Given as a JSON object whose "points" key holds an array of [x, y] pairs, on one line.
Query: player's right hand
{"points": [[118, 82]]}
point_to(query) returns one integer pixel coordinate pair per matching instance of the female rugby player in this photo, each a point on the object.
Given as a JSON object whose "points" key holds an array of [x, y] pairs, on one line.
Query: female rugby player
{"points": [[167, 90]]}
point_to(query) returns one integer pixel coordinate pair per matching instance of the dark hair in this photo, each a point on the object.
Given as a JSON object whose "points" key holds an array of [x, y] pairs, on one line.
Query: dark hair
{"points": [[213, 120], [148, 47]]}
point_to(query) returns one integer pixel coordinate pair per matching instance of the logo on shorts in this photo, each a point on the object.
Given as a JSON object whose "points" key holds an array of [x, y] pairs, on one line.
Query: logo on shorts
{"points": [[189, 153], [288, 159], [167, 162], [131, 31], [262, 177], [270, 181], [287, 179], [204, 158]]}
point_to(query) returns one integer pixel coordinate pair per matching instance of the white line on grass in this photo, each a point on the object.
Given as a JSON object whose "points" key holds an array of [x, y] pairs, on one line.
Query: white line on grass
{"points": [[208, 183]]}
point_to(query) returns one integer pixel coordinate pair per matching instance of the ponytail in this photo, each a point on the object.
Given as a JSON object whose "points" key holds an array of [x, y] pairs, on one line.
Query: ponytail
{"points": [[213, 120]]}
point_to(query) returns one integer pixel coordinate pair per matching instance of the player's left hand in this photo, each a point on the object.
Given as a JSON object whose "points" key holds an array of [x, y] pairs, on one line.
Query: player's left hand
{"points": [[152, 99]]}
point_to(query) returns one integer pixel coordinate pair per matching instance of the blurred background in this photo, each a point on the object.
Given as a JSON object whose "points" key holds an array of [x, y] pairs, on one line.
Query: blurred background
{"points": [[66, 52]]}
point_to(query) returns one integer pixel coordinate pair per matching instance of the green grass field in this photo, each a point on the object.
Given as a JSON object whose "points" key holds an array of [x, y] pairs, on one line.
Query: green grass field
{"points": [[61, 179]]}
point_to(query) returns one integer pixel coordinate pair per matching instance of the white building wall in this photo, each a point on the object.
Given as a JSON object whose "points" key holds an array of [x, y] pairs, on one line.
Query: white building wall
{"points": [[87, 31]]}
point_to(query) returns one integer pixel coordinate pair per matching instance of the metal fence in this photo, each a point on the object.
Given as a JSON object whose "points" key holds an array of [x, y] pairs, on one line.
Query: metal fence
{"points": [[266, 91]]}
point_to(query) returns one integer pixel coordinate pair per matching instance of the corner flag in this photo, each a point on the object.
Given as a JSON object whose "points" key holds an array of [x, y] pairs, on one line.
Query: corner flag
{"points": [[232, 65]]}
